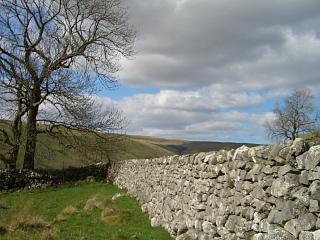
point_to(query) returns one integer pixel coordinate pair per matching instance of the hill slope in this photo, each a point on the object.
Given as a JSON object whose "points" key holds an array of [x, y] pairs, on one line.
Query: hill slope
{"points": [[52, 152]]}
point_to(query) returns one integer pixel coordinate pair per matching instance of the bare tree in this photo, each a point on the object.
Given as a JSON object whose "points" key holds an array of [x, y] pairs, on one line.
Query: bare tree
{"points": [[91, 129], [53, 52], [296, 116], [10, 138]]}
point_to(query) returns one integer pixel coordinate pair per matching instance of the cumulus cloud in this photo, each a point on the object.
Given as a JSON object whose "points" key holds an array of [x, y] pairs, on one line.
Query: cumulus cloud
{"points": [[250, 43], [203, 114], [217, 61]]}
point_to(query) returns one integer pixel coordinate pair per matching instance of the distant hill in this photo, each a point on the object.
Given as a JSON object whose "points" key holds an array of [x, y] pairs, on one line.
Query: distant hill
{"points": [[54, 153], [193, 147], [188, 147]]}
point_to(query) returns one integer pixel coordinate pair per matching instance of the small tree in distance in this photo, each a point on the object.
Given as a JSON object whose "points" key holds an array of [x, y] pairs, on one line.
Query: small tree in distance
{"points": [[294, 117]]}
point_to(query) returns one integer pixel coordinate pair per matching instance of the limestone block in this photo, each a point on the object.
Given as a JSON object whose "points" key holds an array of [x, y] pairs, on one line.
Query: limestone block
{"points": [[314, 190], [316, 235], [314, 175], [307, 221], [305, 235], [283, 170], [235, 223], [312, 158], [298, 147], [293, 226], [277, 232], [301, 161], [221, 221], [267, 169], [303, 179], [241, 153], [314, 206], [280, 187], [302, 195], [258, 193], [259, 236], [209, 228], [278, 217]]}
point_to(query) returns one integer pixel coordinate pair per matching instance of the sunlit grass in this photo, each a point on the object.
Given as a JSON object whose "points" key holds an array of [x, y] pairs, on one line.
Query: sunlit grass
{"points": [[64, 213]]}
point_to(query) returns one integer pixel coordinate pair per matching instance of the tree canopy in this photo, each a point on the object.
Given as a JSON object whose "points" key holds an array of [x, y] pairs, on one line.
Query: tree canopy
{"points": [[294, 117], [52, 54]]}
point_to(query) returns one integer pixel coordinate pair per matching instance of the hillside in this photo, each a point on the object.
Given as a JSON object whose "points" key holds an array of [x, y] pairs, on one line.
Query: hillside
{"points": [[187, 147], [194, 147], [55, 152]]}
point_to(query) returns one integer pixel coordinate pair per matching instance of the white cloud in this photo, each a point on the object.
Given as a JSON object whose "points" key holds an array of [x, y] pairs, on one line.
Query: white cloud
{"points": [[203, 114], [253, 44], [216, 62]]}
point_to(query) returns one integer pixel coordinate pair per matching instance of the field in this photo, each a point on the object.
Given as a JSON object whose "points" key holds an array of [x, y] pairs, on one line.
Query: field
{"points": [[79, 212], [54, 151]]}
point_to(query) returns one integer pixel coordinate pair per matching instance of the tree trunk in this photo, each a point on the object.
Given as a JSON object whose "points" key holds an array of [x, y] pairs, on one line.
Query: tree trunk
{"points": [[16, 130], [31, 138]]}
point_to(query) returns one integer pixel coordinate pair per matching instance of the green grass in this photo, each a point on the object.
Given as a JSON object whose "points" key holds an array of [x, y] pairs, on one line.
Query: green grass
{"points": [[128, 221]]}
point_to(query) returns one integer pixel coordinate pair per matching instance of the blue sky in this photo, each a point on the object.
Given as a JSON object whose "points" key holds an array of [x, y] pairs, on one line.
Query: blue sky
{"points": [[211, 70]]}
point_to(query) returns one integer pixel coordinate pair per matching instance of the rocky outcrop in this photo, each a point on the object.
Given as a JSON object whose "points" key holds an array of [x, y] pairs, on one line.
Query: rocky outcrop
{"points": [[259, 193]]}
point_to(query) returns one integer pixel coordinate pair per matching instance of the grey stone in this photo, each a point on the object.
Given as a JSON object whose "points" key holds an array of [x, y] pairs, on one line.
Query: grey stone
{"points": [[314, 206], [302, 195], [259, 236], [314, 175], [221, 220], [248, 186], [278, 233], [280, 187], [190, 235], [314, 190], [307, 221], [264, 225], [312, 158], [298, 147], [284, 152], [258, 193], [316, 235], [280, 203], [267, 169], [284, 170], [240, 153], [275, 151], [318, 223], [292, 179], [154, 222], [279, 217], [204, 237], [303, 179], [209, 228], [301, 161], [305, 235], [234, 223], [182, 228], [198, 225], [293, 226]]}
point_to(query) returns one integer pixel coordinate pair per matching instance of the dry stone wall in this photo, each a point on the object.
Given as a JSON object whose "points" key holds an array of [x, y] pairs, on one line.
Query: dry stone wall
{"points": [[12, 180], [259, 193]]}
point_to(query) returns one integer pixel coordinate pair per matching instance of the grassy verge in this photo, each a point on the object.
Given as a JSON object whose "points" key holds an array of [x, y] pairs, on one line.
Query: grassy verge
{"points": [[84, 211]]}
